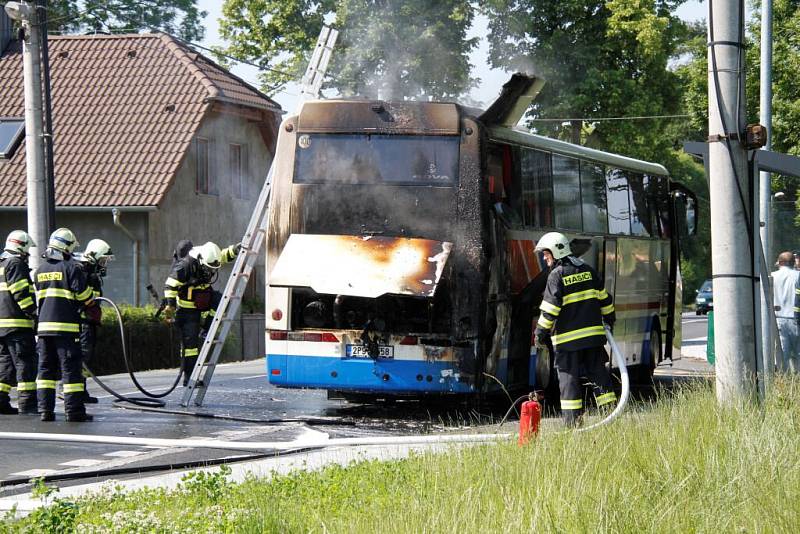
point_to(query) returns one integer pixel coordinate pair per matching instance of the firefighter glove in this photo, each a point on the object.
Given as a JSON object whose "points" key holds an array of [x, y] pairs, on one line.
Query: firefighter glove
{"points": [[236, 248], [541, 339], [610, 324], [93, 314], [169, 314]]}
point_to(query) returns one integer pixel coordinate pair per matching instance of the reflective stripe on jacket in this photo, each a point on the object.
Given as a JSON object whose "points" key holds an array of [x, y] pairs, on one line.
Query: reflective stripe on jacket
{"points": [[62, 292], [17, 306], [574, 305]]}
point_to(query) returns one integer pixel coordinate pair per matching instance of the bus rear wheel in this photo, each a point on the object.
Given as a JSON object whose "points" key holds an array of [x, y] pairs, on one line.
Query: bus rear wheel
{"points": [[643, 373]]}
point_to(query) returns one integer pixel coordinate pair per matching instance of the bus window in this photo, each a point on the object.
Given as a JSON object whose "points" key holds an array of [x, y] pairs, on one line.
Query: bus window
{"points": [[537, 187], [377, 159], [657, 191], [619, 215], [593, 198], [566, 192], [641, 222]]}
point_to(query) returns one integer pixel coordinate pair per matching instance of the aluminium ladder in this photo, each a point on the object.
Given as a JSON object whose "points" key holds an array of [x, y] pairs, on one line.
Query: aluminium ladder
{"points": [[252, 241]]}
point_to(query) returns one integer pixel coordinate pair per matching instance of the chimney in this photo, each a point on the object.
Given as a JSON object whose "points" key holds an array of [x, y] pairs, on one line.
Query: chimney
{"points": [[6, 29]]}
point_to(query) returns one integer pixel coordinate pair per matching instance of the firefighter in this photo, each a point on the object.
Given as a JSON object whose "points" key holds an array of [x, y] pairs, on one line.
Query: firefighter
{"points": [[62, 293], [93, 262], [189, 295], [17, 323], [574, 306]]}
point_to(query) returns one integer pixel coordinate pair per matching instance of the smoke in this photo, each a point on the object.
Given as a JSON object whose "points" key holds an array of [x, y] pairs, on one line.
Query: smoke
{"points": [[403, 50]]}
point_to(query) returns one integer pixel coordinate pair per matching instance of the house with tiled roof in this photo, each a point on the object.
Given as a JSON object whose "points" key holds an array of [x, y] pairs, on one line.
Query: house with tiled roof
{"points": [[149, 127]]}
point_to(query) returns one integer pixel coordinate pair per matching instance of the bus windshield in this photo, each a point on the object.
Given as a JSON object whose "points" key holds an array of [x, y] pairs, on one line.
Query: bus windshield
{"points": [[377, 159]]}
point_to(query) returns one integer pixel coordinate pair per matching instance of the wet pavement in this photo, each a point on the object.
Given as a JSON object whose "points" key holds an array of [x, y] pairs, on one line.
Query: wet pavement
{"points": [[239, 391]]}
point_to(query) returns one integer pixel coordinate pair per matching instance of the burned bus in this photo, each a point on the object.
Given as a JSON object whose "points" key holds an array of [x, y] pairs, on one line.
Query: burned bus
{"points": [[400, 249]]}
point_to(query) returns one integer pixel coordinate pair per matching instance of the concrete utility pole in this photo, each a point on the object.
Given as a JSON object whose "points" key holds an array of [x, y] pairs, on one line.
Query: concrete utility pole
{"points": [[765, 184], [732, 254], [34, 147]]}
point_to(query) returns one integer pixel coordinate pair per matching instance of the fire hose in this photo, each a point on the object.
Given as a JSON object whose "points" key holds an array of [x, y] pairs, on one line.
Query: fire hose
{"points": [[150, 400]]}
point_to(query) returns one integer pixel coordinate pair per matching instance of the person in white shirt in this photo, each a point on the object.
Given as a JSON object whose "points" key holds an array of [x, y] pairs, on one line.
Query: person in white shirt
{"points": [[786, 291]]}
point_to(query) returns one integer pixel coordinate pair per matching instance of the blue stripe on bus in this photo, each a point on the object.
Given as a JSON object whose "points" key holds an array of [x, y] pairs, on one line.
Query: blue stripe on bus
{"points": [[364, 375]]}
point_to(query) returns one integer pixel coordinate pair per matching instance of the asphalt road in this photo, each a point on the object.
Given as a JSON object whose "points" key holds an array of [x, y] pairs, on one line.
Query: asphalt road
{"points": [[241, 390]]}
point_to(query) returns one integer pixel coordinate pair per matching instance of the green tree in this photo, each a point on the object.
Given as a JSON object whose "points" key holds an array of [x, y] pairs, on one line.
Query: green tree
{"points": [[785, 103], [600, 59], [176, 17], [387, 48]]}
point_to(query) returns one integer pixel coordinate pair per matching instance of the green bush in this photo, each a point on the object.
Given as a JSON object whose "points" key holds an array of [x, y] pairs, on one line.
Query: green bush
{"points": [[151, 343]]}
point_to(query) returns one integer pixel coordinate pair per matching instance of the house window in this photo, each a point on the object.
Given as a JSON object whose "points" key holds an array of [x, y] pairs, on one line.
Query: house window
{"points": [[11, 131], [236, 170], [203, 183]]}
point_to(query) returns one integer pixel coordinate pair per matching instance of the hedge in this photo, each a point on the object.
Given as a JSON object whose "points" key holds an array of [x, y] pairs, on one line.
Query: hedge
{"points": [[148, 342]]}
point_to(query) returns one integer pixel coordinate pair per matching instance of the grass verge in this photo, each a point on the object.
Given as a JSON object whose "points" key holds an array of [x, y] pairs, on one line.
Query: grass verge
{"points": [[682, 464]]}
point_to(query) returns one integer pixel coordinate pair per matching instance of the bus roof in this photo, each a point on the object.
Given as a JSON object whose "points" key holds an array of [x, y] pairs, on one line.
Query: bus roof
{"points": [[522, 137]]}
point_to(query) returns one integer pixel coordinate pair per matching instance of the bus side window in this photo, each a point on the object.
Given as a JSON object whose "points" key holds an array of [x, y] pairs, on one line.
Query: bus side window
{"points": [[657, 191], [537, 187], [567, 192], [619, 213], [593, 197], [641, 222]]}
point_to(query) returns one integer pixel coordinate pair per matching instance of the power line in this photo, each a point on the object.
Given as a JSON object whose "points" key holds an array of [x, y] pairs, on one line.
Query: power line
{"points": [[598, 119]]}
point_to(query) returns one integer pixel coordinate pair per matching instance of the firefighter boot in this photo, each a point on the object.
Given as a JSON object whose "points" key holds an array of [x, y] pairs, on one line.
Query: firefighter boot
{"points": [[79, 417], [27, 402], [46, 397], [5, 406], [187, 364], [87, 398]]}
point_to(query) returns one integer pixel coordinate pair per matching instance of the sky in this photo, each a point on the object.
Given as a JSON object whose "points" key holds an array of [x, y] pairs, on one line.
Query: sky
{"points": [[491, 79]]}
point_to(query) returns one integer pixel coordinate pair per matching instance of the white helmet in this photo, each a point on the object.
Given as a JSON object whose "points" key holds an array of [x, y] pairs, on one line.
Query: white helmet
{"points": [[98, 251], [64, 240], [209, 255], [556, 242], [19, 242]]}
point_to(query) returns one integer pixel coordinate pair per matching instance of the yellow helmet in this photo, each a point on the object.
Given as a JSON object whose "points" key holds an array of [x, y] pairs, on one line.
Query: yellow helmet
{"points": [[64, 240], [19, 242]]}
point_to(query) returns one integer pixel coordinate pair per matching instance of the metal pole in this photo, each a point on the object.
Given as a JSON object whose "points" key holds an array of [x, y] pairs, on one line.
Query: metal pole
{"points": [[732, 248], [765, 185], [50, 183], [34, 149]]}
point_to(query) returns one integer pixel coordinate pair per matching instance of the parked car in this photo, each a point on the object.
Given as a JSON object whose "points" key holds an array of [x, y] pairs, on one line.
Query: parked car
{"points": [[704, 301]]}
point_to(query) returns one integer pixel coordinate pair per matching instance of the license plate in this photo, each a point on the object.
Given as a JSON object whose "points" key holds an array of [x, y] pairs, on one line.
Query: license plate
{"points": [[361, 351]]}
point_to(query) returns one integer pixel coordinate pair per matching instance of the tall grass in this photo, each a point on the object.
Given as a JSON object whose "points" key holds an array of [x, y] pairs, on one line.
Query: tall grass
{"points": [[681, 464]]}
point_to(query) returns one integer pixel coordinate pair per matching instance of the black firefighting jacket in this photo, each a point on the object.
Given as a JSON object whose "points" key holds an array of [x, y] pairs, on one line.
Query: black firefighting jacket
{"points": [[62, 292], [93, 277], [574, 306], [17, 308], [188, 280]]}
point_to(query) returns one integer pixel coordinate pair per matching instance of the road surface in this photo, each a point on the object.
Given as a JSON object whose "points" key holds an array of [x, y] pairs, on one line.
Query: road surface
{"points": [[241, 390]]}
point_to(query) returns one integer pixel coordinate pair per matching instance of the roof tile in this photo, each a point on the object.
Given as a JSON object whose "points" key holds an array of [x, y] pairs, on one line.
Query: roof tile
{"points": [[121, 121]]}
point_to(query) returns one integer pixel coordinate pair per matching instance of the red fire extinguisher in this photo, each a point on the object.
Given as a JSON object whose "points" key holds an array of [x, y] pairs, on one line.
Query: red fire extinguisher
{"points": [[529, 420]]}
